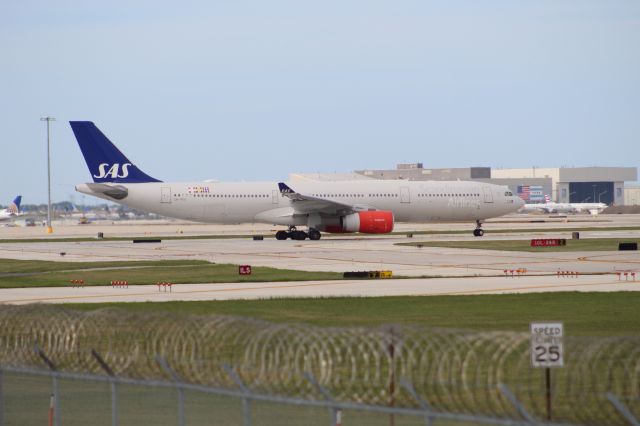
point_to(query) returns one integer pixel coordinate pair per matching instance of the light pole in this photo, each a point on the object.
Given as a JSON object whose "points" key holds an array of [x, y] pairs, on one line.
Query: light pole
{"points": [[48, 120], [600, 194]]}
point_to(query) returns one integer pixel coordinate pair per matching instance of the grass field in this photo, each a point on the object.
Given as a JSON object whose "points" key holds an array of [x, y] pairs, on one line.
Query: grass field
{"points": [[584, 314], [28, 273], [591, 244]]}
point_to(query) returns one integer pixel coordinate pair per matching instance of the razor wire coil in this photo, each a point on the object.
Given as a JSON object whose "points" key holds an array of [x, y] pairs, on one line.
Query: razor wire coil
{"points": [[451, 370]]}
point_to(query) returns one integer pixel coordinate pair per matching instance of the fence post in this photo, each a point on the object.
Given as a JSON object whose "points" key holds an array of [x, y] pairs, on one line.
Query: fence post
{"points": [[112, 382], [333, 411], [517, 404], [174, 376], [424, 405], [54, 379], [622, 409], [246, 402]]}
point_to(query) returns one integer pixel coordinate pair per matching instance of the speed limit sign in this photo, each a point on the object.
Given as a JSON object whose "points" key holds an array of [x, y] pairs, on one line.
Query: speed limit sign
{"points": [[546, 344]]}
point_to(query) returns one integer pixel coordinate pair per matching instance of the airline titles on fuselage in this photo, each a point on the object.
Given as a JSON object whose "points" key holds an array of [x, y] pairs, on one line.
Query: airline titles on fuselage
{"points": [[198, 189]]}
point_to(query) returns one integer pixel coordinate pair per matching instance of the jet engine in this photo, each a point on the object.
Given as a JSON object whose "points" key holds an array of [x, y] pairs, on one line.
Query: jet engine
{"points": [[369, 222]]}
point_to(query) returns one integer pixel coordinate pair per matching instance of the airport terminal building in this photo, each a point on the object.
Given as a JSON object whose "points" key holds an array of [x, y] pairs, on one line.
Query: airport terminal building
{"points": [[561, 184]]}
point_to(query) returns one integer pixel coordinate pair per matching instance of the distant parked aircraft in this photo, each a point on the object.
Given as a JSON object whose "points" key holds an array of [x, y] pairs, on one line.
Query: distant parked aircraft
{"points": [[552, 207], [12, 211], [370, 206]]}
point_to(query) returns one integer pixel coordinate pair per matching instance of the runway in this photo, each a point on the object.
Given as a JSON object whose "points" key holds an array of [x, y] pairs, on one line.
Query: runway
{"points": [[339, 254], [339, 288], [432, 270]]}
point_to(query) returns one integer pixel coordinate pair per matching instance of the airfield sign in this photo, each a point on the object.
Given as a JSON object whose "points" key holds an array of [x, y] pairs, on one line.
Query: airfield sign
{"points": [[546, 344]]}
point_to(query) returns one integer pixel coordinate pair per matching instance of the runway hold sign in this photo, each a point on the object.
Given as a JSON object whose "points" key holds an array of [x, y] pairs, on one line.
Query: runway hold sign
{"points": [[548, 242], [546, 344]]}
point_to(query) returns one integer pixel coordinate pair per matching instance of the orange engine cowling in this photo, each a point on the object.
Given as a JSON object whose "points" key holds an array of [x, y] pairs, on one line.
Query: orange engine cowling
{"points": [[371, 222]]}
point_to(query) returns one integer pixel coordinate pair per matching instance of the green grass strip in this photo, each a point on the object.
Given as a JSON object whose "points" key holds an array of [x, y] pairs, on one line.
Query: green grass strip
{"points": [[583, 314], [21, 273], [40, 266]]}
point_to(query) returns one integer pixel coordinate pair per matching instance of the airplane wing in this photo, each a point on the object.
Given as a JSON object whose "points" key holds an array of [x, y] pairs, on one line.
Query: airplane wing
{"points": [[307, 204]]}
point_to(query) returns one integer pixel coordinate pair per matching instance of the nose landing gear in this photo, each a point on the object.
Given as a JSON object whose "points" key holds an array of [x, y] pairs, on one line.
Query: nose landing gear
{"points": [[478, 232]]}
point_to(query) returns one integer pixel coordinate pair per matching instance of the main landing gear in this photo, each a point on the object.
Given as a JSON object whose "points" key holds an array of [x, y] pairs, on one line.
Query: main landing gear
{"points": [[294, 234], [478, 232]]}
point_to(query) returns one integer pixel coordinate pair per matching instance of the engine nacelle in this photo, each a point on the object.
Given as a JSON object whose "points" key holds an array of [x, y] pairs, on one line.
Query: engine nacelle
{"points": [[370, 222]]}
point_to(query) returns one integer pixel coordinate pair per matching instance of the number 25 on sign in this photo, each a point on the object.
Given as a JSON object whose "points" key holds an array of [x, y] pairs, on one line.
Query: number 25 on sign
{"points": [[546, 344]]}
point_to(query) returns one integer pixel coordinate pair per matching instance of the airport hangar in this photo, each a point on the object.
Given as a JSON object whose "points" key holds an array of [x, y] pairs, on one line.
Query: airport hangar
{"points": [[562, 184]]}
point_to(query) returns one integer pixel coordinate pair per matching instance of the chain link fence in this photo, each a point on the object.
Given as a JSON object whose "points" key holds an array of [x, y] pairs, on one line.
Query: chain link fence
{"points": [[423, 374], [29, 396]]}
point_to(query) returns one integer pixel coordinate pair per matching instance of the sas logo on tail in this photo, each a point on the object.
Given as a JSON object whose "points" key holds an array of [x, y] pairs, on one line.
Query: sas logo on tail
{"points": [[114, 171]]}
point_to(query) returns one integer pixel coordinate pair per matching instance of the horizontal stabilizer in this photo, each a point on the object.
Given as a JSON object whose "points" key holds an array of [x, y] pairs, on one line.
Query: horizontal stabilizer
{"points": [[117, 192]]}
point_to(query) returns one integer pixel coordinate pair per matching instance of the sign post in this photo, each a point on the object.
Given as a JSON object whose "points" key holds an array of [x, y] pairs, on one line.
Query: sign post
{"points": [[547, 351]]}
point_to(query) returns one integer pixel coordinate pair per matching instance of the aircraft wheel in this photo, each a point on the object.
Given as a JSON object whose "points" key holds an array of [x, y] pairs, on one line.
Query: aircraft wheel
{"points": [[298, 235], [282, 235], [314, 234], [478, 232]]}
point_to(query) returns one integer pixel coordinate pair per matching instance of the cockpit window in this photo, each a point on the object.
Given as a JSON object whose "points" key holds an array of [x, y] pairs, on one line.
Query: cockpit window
{"points": [[508, 194]]}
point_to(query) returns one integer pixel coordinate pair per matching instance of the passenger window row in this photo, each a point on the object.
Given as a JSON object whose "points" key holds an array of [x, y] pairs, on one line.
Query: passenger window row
{"points": [[224, 195], [326, 195]]}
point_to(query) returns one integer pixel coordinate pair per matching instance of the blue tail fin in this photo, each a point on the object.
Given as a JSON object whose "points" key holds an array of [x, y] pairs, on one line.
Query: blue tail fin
{"points": [[15, 206], [106, 163]]}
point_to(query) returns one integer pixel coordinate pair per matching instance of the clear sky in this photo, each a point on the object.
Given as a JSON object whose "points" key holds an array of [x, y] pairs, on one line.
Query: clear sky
{"points": [[254, 90]]}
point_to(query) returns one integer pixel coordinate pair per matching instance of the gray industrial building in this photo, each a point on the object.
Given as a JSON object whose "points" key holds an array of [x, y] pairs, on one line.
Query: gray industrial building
{"points": [[415, 171], [579, 184], [562, 184]]}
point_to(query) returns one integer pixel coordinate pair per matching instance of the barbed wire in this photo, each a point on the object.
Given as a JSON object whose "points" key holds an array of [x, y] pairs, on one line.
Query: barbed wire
{"points": [[451, 370]]}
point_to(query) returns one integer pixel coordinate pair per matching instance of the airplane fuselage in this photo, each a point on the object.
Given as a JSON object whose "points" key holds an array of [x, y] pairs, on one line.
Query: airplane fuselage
{"points": [[242, 202]]}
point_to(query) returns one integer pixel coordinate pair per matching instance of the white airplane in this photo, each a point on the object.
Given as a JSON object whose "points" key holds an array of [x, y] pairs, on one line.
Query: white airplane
{"points": [[371, 206], [553, 207], [12, 211]]}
